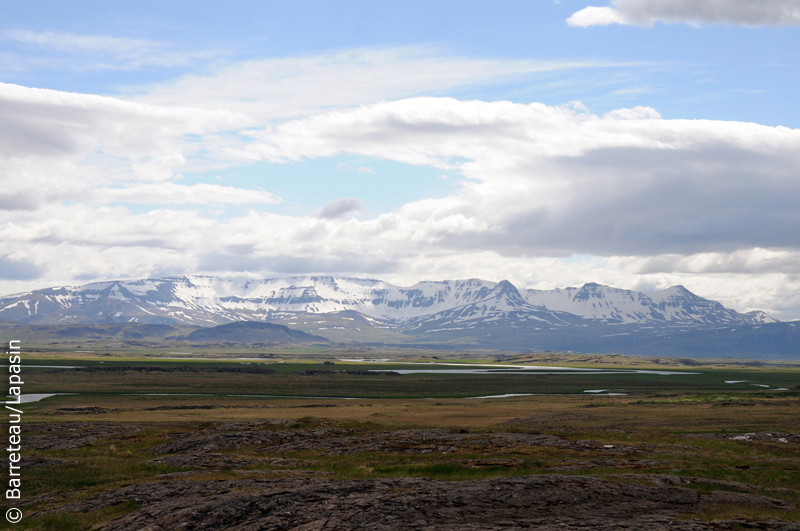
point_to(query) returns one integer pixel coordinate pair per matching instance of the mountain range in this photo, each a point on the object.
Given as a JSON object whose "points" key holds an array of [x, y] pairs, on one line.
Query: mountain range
{"points": [[450, 314]]}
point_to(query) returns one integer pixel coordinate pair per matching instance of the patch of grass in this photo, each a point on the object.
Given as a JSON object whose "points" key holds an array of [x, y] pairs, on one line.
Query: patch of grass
{"points": [[287, 380], [91, 474], [76, 521], [304, 423], [449, 471]]}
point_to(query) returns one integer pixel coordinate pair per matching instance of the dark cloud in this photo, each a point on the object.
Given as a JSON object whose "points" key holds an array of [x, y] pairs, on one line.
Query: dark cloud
{"points": [[655, 202], [734, 12], [695, 12], [18, 201], [18, 270], [341, 207]]}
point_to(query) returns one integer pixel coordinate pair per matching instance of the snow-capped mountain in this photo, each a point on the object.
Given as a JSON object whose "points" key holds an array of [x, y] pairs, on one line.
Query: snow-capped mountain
{"points": [[205, 300], [210, 300], [676, 304], [502, 303], [444, 314]]}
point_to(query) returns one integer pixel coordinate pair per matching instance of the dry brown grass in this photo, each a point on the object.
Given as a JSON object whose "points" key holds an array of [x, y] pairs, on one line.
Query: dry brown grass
{"points": [[543, 413]]}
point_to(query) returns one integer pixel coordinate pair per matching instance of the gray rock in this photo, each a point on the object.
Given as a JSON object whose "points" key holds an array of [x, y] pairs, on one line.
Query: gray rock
{"points": [[541, 502]]}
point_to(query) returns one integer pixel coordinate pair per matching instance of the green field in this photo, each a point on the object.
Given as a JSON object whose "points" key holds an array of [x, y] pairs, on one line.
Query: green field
{"points": [[288, 379]]}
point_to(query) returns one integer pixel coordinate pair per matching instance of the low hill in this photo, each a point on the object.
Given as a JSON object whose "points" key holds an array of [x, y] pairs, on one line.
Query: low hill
{"points": [[116, 335], [253, 332]]}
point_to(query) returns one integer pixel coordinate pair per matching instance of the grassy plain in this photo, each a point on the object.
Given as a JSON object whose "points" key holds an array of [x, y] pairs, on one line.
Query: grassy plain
{"points": [[681, 424]]}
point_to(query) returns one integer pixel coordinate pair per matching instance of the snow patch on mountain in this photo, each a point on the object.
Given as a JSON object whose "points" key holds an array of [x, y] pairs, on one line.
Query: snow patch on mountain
{"points": [[675, 304], [207, 300]]}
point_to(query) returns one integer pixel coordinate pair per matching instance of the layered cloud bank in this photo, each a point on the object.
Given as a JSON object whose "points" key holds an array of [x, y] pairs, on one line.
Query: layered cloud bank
{"points": [[548, 196], [555, 180], [693, 12]]}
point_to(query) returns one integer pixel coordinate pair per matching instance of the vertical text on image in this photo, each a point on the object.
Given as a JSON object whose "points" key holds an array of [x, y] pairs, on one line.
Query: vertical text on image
{"points": [[14, 420]]}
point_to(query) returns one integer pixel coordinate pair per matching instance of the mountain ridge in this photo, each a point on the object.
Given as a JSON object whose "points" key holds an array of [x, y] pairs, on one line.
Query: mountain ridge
{"points": [[469, 313], [209, 300]]}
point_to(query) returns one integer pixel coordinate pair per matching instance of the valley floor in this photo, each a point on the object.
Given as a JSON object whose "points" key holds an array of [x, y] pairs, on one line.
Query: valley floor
{"points": [[710, 455]]}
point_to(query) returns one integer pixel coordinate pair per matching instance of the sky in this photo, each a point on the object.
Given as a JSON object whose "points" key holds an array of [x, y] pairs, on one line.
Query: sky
{"points": [[635, 143]]}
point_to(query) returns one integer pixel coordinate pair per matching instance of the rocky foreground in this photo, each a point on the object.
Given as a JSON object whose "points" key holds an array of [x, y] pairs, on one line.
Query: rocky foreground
{"points": [[237, 477], [525, 502]]}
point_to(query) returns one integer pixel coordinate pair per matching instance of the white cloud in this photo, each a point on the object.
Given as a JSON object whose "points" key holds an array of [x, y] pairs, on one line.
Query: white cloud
{"points": [[100, 51], [71, 42], [553, 181], [596, 16], [42, 122], [298, 86], [366, 169], [54, 146], [178, 194], [694, 12], [708, 204]]}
